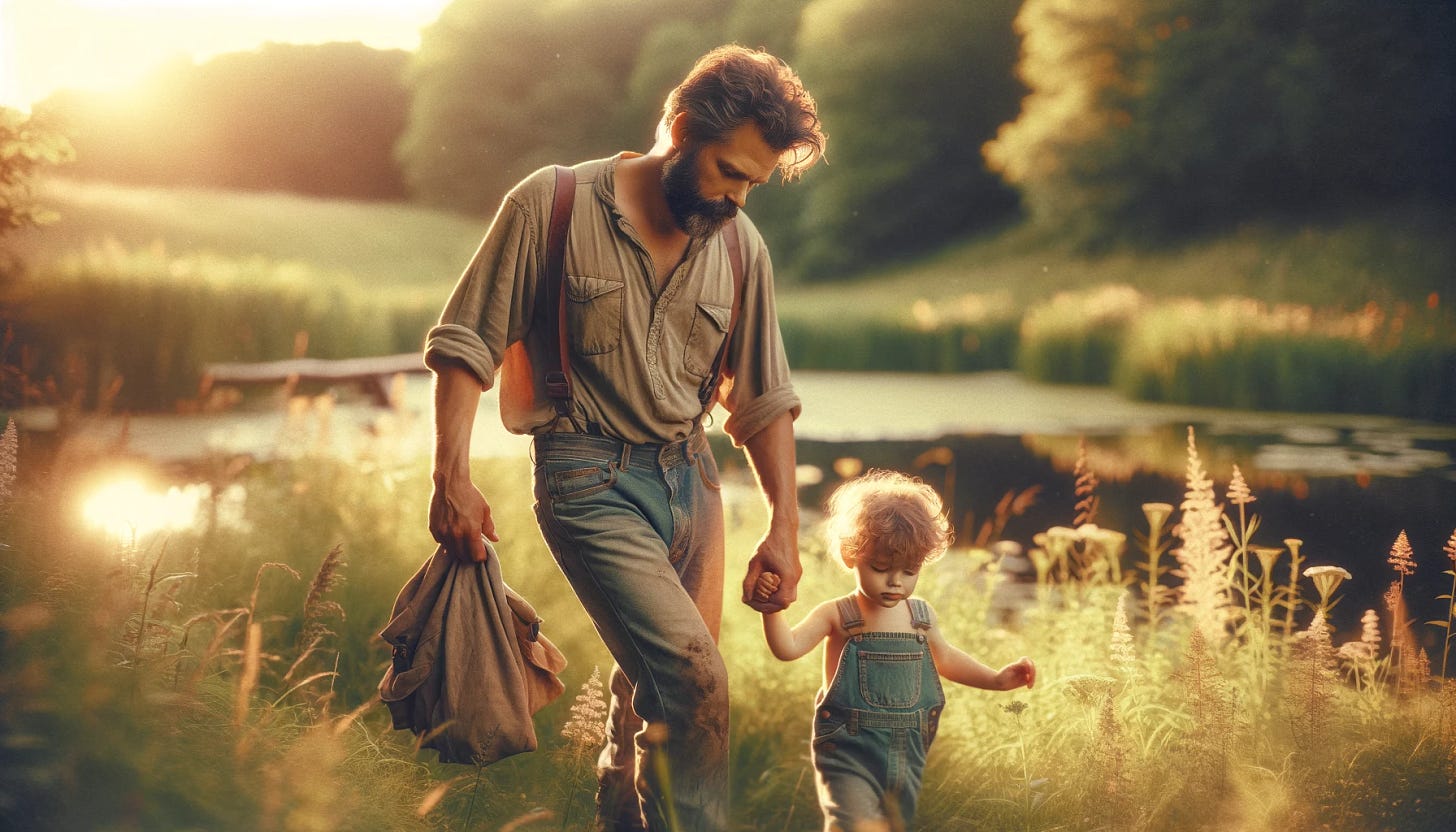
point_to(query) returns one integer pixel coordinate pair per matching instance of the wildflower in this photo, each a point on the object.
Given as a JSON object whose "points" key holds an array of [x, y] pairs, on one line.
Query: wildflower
{"points": [[1268, 556], [1157, 514], [1449, 548], [9, 452], [1401, 556], [1205, 552], [1370, 631], [1016, 707], [1088, 689], [1086, 487], [1293, 543], [1124, 655], [1356, 652], [1326, 580], [1238, 490], [585, 730]]}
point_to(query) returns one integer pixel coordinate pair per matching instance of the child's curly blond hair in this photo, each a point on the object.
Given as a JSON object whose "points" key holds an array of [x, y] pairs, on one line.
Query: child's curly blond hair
{"points": [[896, 516]]}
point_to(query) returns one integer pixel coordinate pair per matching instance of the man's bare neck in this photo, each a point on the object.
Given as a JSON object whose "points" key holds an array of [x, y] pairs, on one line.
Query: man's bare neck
{"points": [[641, 198]]}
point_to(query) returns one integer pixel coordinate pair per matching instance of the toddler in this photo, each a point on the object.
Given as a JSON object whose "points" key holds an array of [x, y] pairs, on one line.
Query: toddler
{"points": [[880, 704]]}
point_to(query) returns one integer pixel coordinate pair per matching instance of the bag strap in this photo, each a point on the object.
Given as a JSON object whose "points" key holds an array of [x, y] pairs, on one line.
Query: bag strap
{"points": [[558, 355], [735, 261]]}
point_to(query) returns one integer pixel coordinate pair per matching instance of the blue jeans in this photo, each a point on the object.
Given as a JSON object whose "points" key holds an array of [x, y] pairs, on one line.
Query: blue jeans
{"points": [[638, 532]]}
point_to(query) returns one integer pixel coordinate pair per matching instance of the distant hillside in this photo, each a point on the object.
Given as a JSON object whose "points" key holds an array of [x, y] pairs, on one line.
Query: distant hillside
{"points": [[1396, 256]]}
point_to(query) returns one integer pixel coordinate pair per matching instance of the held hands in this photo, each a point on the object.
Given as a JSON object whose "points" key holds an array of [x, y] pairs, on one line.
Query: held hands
{"points": [[772, 581], [459, 515], [1020, 673]]}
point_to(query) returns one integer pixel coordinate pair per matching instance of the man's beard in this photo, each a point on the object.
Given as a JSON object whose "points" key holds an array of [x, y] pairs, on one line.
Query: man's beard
{"points": [[697, 216]]}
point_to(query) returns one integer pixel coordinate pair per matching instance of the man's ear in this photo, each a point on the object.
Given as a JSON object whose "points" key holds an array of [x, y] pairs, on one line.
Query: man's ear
{"points": [[678, 130]]}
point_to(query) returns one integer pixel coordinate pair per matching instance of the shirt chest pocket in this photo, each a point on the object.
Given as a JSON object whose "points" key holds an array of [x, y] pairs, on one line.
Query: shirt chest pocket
{"points": [[710, 327], [594, 313]]}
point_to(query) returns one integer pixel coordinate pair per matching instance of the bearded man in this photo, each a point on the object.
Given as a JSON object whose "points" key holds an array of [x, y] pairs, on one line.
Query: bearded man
{"points": [[627, 490]]}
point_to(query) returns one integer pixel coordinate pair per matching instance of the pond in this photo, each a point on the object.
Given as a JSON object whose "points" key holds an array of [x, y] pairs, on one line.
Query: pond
{"points": [[1346, 485]]}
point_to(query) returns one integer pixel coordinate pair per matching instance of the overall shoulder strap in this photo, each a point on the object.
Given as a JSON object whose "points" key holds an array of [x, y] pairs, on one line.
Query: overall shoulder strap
{"points": [[919, 614], [849, 615], [735, 262], [557, 365]]}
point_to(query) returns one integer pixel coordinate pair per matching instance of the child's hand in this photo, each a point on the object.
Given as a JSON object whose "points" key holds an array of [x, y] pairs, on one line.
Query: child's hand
{"points": [[767, 585], [1013, 676]]}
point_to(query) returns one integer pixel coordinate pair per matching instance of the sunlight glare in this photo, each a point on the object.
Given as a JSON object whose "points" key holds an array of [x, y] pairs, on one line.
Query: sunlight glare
{"points": [[128, 510], [108, 45]]}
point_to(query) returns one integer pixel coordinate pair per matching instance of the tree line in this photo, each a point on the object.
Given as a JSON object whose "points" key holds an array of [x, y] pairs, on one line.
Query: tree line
{"points": [[1105, 122]]}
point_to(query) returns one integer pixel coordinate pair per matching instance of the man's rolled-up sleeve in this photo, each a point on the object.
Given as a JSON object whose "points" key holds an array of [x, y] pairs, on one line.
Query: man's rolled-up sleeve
{"points": [[756, 389], [491, 306]]}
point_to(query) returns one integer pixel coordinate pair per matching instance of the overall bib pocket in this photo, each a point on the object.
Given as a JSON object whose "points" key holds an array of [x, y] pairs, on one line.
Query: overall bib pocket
{"points": [[890, 680]]}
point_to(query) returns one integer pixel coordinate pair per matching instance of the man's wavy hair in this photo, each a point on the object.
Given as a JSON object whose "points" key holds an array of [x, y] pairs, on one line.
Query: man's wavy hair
{"points": [[732, 85], [888, 515]]}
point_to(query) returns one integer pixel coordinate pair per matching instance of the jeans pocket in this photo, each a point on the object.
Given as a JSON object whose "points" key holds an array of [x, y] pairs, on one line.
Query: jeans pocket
{"points": [[890, 680], [825, 729], [708, 470], [568, 483]]}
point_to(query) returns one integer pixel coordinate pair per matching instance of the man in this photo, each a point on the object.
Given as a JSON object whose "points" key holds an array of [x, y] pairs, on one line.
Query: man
{"points": [[626, 487]]}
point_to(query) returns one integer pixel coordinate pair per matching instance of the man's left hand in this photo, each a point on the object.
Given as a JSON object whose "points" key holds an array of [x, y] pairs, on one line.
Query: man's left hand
{"points": [[778, 553]]}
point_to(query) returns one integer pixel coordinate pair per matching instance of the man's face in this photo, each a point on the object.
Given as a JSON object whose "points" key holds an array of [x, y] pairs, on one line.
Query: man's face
{"points": [[883, 581], [706, 184]]}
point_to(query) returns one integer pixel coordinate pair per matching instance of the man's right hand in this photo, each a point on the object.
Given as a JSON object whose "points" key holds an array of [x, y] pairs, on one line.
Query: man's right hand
{"points": [[459, 515]]}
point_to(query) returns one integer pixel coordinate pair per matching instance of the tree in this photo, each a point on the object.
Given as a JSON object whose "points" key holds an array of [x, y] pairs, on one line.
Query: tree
{"points": [[1148, 119], [502, 88], [906, 109], [319, 120], [28, 142]]}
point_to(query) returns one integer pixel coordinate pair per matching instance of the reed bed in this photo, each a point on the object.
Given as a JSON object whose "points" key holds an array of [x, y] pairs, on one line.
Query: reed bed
{"points": [[220, 675], [134, 328]]}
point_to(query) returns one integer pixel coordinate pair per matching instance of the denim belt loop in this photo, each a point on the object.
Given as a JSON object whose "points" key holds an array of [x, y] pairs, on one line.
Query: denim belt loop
{"points": [[853, 721]]}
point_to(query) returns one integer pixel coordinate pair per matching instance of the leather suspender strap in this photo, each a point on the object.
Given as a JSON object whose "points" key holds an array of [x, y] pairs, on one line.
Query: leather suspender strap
{"points": [[558, 374], [709, 389]]}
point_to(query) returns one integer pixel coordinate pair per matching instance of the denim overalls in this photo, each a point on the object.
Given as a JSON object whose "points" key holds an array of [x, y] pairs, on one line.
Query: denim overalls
{"points": [[875, 723]]}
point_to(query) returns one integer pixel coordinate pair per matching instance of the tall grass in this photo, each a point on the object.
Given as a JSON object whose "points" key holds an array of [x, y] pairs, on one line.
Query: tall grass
{"points": [[222, 677], [1238, 352], [142, 324]]}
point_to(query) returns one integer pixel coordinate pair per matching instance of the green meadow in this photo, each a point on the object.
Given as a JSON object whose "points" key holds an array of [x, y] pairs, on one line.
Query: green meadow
{"points": [[212, 665]]}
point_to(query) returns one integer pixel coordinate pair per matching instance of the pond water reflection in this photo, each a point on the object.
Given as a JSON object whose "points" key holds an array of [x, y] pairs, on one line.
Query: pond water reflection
{"points": [[1346, 485]]}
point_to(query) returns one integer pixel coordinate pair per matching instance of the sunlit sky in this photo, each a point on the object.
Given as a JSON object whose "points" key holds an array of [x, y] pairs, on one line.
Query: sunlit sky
{"points": [[46, 45]]}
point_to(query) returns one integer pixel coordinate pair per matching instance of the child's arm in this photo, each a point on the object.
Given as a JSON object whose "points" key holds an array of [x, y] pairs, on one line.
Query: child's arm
{"points": [[956, 665], [788, 644]]}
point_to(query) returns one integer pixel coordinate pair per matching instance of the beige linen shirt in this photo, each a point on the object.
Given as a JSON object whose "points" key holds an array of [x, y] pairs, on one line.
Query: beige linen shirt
{"points": [[639, 353]]}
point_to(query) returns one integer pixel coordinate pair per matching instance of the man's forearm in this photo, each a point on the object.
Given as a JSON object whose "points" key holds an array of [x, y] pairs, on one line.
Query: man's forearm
{"points": [[771, 453], [457, 395]]}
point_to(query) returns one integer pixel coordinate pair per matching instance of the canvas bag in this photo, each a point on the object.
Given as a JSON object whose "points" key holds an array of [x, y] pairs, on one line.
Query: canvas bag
{"points": [[470, 665]]}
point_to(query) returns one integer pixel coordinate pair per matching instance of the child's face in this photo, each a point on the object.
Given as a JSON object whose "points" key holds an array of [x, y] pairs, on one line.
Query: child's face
{"points": [[885, 582]]}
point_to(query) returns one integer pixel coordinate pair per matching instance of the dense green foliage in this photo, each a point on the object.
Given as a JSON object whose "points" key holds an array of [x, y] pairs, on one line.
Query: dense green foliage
{"points": [[907, 110], [1151, 118], [28, 144], [319, 120], [500, 89]]}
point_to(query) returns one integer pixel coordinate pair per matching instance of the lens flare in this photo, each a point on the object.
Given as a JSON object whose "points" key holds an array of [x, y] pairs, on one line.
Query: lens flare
{"points": [[129, 511]]}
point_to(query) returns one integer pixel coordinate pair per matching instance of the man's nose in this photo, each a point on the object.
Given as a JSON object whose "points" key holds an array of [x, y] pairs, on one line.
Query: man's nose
{"points": [[739, 195]]}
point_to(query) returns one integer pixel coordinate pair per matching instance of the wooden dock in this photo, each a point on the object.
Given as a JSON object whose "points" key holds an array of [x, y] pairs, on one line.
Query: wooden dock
{"points": [[372, 375]]}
